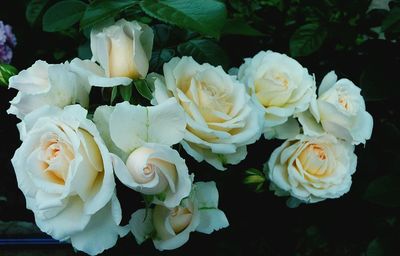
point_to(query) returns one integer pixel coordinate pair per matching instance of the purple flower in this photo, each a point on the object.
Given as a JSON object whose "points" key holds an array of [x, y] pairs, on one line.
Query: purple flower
{"points": [[7, 41]]}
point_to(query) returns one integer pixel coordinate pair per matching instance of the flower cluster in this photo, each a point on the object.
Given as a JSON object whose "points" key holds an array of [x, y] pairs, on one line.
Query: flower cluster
{"points": [[7, 42], [70, 157]]}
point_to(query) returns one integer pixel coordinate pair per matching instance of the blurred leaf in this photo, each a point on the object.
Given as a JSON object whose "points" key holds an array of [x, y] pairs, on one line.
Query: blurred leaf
{"points": [[162, 34], [307, 39], [205, 16], [101, 10], [18, 228], [159, 57], [375, 248], [240, 27], [34, 9], [392, 21], [84, 51], [126, 92], [6, 71], [384, 191], [143, 89], [63, 15], [204, 51]]}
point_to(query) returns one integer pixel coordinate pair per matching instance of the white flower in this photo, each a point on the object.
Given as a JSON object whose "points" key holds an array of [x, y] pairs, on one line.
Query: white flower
{"points": [[47, 84], [281, 87], [312, 169], [338, 110], [218, 111], [169, 228], [141, 138], [65, 172], [123, 51]]}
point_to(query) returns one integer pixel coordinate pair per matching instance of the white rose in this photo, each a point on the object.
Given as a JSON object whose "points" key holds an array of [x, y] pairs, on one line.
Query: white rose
{"points": [[339, 110], [47, 84], [66, 174], [141, 138], [169, 228], [219, 112], [281, 87], [123, 51], [312, 169]]}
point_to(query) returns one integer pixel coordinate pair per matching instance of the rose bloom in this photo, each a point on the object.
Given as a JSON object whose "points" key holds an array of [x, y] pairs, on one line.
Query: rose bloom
{"points": [[140, 138], [123, 51], [219, 112], [47, 84], [65, 172], [312, 169], [338, 110], [169, 228], [281, 87]]}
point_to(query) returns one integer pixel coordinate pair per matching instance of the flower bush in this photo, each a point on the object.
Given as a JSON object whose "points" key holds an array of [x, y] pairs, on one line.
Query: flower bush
{"points": [[114, 135]]}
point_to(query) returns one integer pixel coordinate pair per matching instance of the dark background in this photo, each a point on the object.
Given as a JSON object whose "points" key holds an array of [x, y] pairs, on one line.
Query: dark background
{"points": [[365, 221]]}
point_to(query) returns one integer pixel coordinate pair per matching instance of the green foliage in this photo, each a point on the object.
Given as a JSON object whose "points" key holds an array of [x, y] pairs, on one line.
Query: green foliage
{"points": [[385, 191], [143, 88], [102, 10], [34, 10], [63, 15], [240, 27], [204, 16], [6, 71], [255, 179], [126, 92], [204, 51], [307, 39]]}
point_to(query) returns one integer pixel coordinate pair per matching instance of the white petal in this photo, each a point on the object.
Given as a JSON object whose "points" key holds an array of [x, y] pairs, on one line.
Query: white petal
{"points": [[287, 130], [102, 232], [327, 82], [309, 124], [70, 220], [128, 126], [362, 129], [167, 123], [211, 220], [141, 224], [206, 194]]}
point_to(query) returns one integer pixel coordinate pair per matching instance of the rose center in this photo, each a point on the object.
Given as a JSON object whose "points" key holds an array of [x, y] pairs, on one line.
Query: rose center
{"points": [[314, 159], [179, 218]]}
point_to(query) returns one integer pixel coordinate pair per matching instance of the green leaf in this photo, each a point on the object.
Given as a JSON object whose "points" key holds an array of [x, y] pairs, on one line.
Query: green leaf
{"points": [[143, 89], [392, 21], [384, 191], [159, 57], [204, 51], [84, 51], [375, 248], [34, 9], [240, 27], [6, 71], [204, 16], [63, 15], [307, 39], [113, 94], [101, 10], [126, 92]]}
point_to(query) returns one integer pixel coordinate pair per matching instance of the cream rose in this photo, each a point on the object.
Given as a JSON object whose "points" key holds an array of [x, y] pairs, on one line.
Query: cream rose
{"points": [[338, 110], [312, 169], [281, 87], [123, 51], [47, 84], [66, 174], [169, 228], [219, 112], [140, 138]]}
